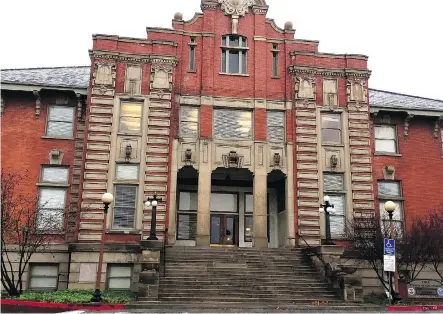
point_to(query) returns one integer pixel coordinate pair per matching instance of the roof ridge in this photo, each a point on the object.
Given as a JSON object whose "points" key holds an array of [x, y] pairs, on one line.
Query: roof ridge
{"points": [[42, 68], [408, 95]]}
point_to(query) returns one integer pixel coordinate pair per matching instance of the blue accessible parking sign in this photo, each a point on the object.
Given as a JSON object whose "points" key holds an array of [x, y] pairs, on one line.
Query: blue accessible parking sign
{"points": [[389, 247]]}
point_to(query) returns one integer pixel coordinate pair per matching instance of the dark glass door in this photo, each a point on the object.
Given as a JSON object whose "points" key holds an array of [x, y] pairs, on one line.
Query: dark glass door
{"points": [[223, 229]]}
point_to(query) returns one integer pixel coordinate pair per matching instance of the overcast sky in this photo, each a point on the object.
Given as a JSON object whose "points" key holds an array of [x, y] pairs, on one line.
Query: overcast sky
{"points": [[403, 39]]}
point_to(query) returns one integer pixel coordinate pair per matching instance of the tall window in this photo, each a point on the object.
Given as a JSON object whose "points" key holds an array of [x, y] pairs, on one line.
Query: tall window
{"points": [[234, 54], [330, 97], [275, 60], [391, 191], [127, 172], [192, 46], [125, 206], [232, 124], [334, 187], [60, 121], [249, 210], [130, 117], [43, 277], [385, 138], [188, 121], [52, 198], [187, 216], [119, 276], [276, 126], [331, 128]]}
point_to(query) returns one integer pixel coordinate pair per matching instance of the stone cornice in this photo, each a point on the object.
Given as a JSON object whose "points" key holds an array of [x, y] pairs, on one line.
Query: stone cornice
{"points": [[411, 112], [32, 88], [134, 40], [305, 70], [179, 32], [293, 53], [136, 58]]}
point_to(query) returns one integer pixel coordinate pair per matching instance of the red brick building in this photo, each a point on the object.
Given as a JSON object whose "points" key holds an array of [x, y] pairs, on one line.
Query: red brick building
{"points": [[238, 127]]}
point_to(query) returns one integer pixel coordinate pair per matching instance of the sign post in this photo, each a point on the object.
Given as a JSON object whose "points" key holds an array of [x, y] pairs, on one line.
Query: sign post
{"points": [[389, 262]]}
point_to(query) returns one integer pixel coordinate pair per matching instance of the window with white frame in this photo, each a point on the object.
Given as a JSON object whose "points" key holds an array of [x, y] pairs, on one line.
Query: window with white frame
{"points": [[43, 276], [276, 126], [331, 128], [60, 121], [127, 172], [189, 121], [130, 117], [275, 52], [232, 124], [330, 92], [119, 276], [391, 191], [187, 215], [125, 206], [334, 187], [385, 138], [52, 198], [234, 54]]}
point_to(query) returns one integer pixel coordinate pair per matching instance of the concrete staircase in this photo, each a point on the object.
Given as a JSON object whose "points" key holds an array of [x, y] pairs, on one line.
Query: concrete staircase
{"points": [[242, 279]]}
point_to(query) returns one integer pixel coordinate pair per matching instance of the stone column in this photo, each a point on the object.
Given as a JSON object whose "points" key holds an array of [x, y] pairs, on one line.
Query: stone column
{"points": [[260, 239], [204, 196], [290, 216]]}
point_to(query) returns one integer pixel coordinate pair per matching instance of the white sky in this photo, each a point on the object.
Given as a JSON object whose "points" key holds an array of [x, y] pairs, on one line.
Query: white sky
{"points": [[403, 39]]}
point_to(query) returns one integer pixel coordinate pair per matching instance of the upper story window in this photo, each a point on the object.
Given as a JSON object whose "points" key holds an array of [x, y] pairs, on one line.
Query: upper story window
{"points": [[276, 126], [130, 117], [234, 54], [385, 138], [232, 124], [125, 206], [334, 187], [188, 121], [330, 92], [275, 60], [60, 121], [391, 191], [331, 128], [192, 45]]}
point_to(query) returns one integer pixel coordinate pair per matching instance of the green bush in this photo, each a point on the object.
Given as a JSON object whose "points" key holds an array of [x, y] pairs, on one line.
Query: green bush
{"points": [[78, 296]]}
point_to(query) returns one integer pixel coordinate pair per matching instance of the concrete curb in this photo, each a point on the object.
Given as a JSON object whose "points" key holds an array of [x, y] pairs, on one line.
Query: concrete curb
{"points": [[69, 306], [414, 308]]}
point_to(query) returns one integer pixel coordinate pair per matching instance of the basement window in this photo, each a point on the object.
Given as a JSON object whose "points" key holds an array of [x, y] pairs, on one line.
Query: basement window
{"points": [[43, 277], [119, 276]]}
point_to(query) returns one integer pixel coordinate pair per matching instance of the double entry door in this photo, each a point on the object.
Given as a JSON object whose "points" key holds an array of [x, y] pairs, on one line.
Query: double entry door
{"points": [[224, 218]]}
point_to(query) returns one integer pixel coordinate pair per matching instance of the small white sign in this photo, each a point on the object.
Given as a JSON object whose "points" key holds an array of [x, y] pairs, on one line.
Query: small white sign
{"points": [[389, 263]]}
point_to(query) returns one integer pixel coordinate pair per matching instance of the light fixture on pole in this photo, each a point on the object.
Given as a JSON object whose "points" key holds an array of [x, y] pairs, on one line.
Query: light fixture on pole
{"points": [[390, 207], [153, 201], [107, 199], [328, 209]]}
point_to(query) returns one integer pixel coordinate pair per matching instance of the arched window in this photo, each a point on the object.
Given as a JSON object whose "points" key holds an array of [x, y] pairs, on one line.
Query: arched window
{"points": [[234, 54]]}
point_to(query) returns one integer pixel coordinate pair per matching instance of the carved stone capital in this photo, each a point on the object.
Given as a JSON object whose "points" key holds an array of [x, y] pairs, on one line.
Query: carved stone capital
{"points": [[38, 103]]}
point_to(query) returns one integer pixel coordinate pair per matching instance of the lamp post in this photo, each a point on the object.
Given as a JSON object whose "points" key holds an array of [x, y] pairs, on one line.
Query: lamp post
{"points": [[390, 207], [107, 199], [328, 209], [153, 201]]}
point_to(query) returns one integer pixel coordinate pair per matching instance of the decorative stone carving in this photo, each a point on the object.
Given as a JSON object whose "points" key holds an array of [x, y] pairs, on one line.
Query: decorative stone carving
{"points": [[389, 173], [277, 159], [356, 90], [133, 79], [128, 152], [104, 74], [232, 160], [161, 77], [236, 7], [436, 126], [56, 157], [330, 95], [333, 161], [128, 149], [2, 108], [406, 124], [38, 104], [305, 87], [79, 106], [188, 155]]}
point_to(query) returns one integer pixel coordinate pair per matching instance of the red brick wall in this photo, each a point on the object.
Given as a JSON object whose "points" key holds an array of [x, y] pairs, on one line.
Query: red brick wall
{"points": [[419, 168]]}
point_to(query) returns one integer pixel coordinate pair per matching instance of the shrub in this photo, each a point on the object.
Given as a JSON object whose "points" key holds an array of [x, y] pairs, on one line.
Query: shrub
{"points": [[77, 296]]}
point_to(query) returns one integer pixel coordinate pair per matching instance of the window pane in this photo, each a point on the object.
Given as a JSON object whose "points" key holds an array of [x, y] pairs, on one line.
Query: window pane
{"points": [[387, 146], [337, 225], [389, 189], [59, 113], [43, 283], [234, 124], [333, 182], [244, 42], [130, 124], [59, 129], [44, 270], [119, 283], [248, 228], [276, 126], [274, 64], [234, 41], [125, 205], [50, 219], [339, 204], [331, 135], [189, 129], [223, 202], [192, 59], [385, 132], [398, 212], [234, 61], [187, 226], [131, 110], [52, 198], [244, 62], [189, 113], [330, 121], [276, 134], [276, 118], [188, 201], [127, 172], [249, 203], [120, 271], [224, 61], [55, 174]]}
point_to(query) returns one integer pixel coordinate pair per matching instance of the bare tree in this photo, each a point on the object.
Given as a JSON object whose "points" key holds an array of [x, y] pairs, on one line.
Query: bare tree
{"points": [[435, 238], [26, 227]]}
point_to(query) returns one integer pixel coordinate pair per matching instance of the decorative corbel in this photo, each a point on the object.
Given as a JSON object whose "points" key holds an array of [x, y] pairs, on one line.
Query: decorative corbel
{"points": [[2, 108], [406, 124], [374, 115], [79, 106], [436, 126], [38, 103], [389, 173]]}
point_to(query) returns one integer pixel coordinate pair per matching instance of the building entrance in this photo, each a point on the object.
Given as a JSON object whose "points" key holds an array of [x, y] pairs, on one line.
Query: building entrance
{"points": [[224, 230]]}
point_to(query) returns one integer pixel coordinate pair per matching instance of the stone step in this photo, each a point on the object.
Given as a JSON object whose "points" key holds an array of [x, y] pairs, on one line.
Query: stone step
{"points": [[246, 289], [246, 282], [245, 293], [247, 299]]}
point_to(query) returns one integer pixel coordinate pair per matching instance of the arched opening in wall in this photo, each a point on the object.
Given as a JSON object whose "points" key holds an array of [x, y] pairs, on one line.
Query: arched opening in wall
{"points": [[187, 204], [230, 188], [277, 212]]}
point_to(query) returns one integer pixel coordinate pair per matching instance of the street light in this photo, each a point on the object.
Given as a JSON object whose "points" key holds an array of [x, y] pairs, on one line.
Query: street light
{"points": [[390, 207], [107, 199], [153, 201], [328, 209]]}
